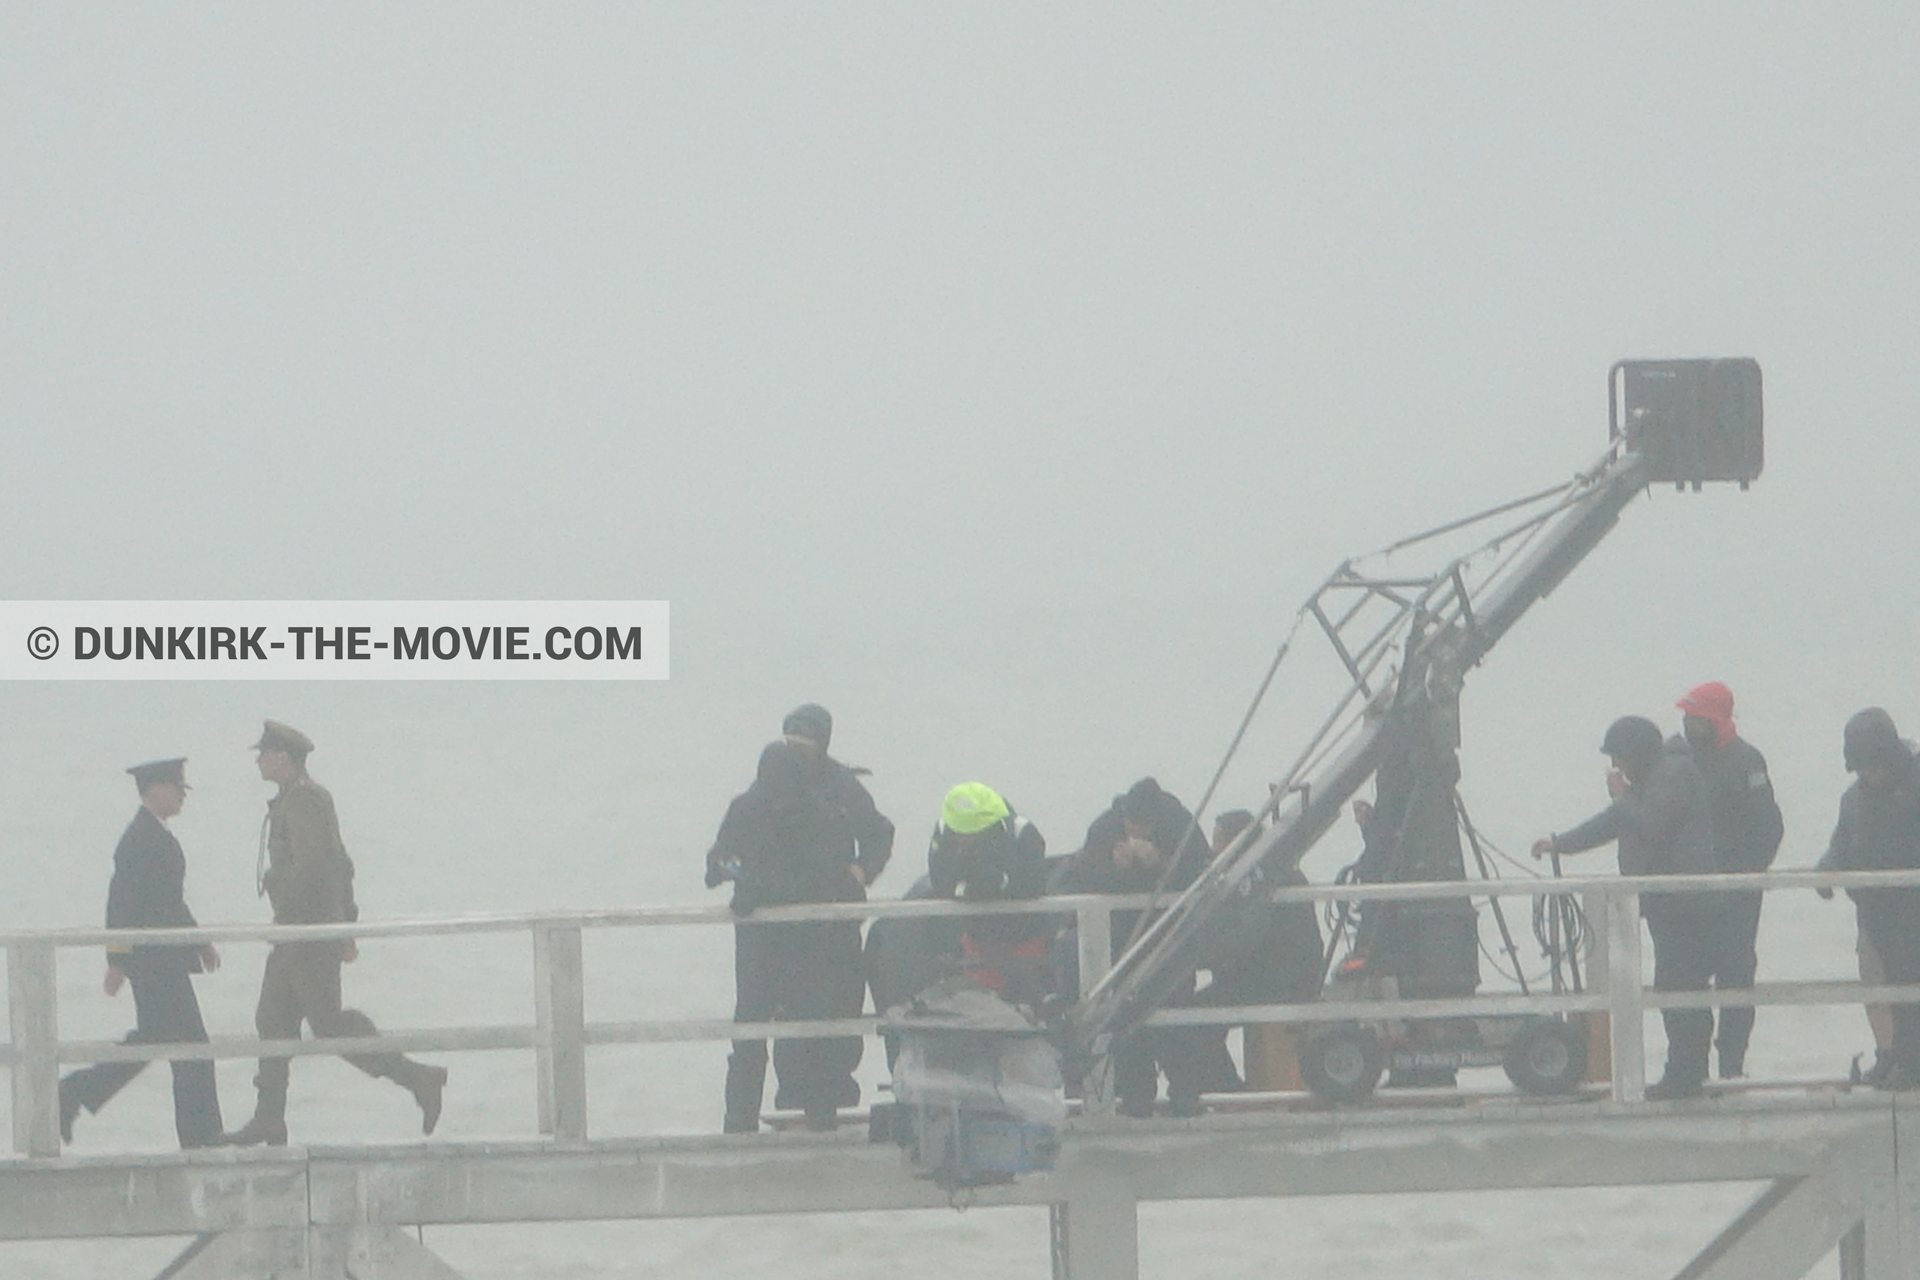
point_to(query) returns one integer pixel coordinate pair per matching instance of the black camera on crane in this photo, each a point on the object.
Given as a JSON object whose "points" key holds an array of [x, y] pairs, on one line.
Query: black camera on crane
{"points": [[1694, 421]]}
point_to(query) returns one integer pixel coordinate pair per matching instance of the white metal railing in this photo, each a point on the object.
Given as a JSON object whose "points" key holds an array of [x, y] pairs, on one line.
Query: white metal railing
{"points": [[560, 1034]]}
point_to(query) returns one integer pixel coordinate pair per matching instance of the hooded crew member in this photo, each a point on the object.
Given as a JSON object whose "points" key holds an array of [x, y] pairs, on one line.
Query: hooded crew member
{"points": [[1879, 830], [1746, 836], [980, 851], [1147, 840], [805, 831], [983, 851]]}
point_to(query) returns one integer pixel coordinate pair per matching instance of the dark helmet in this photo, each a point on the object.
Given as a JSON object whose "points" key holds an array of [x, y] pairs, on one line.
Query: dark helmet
{"points": [[1871, 738], [1635, 739], [811, 721]]}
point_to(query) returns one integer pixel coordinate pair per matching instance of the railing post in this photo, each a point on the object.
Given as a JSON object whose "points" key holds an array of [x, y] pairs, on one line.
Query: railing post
{"points": [[560, 1031], [32, 1006], [542, 1033], [1593, 907], [1096, 1237], [1625, 1012], [1094, 929]]}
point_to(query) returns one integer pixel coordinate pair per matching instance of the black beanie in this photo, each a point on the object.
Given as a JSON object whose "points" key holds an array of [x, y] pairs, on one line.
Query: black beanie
{"points": [[1871, 737]]}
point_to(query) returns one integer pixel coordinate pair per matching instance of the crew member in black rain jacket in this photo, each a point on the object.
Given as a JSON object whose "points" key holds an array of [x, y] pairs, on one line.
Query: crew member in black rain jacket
{"points": [[1660, 818], [982, 851], [1746, 836], [805, 831], [1879, 830], [1149, 840], [148, 892]]}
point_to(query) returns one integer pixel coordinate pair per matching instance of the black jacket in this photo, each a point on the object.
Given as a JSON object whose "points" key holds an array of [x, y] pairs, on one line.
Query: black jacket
{"points": [[1173, 832], [148, 891], [1008, 860], [1879, 829], [1093, 870], [905, 955], [1746, 819], [795, 832]]}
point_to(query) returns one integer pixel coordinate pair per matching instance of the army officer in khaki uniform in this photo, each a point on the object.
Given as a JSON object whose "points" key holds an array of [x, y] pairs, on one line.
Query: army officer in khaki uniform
{"points": [[307, 874]]}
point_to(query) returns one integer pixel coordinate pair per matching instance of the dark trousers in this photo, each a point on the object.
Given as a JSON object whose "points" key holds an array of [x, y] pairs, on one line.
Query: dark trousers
{"points": [[1736, 927], [165, 1012], [1684, 939], [1193, 1058], [791, 972], [1282, 965], [1891, 919], [302, 985]]}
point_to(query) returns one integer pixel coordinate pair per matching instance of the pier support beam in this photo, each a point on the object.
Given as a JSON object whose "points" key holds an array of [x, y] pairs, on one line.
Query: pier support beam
{"points": [[1905, 1227], [1096, 1238], [1793, 1224], [344, 1213], [374, 1251], [242, 1255], [1872, 1248]]}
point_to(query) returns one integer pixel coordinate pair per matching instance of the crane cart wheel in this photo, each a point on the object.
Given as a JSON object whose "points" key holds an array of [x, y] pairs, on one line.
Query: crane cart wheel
{"points": [[1342, 1064], [1547, 1057]]}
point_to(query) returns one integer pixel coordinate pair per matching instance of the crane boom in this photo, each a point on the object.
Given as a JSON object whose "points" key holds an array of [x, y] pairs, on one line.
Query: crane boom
{"points": [[1684, 421]]}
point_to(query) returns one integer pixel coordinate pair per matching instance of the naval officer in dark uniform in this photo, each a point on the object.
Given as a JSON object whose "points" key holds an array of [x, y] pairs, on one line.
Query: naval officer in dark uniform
{"points": [[147, 892], [307, 874]]}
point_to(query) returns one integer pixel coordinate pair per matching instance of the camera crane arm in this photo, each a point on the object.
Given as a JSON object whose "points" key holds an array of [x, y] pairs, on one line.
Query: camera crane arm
{"points": [[1442, 626], [1684, 421]]}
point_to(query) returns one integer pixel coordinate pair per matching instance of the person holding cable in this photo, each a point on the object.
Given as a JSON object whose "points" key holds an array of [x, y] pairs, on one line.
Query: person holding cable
{"points": [[1660, 818]]}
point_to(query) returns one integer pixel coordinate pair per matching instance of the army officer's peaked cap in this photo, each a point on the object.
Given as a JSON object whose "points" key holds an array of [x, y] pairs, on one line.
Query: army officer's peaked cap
{"points": [[174, 771], [283, 737]]}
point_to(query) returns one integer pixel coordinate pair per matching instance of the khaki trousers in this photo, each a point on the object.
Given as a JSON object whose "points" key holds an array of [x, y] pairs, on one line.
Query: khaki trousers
{"points": [[302, 985]]}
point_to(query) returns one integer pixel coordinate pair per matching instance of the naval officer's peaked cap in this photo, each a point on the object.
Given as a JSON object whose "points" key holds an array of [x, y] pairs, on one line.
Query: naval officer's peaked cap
{"points": [[283, 737], [174, 771]]}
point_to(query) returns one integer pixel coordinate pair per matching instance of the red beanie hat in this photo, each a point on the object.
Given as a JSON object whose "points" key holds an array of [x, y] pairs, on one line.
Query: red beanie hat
{"points": [[1711, 701]]}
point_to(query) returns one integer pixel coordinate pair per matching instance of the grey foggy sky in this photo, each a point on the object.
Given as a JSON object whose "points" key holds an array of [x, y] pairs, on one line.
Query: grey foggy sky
{"points": [[1002, 376]]}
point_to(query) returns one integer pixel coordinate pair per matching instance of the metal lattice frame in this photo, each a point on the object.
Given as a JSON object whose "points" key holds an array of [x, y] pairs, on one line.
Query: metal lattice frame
{"points": [[1406, 642]]}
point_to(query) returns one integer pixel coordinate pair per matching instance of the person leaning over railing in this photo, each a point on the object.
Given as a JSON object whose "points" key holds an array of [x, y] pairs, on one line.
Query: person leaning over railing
{"points": [[148, 892], [1659, 816], [1147, 842], [1879, 830], [982, 851]]}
